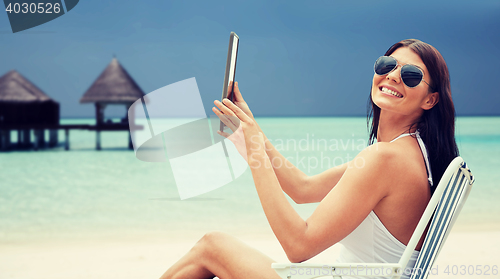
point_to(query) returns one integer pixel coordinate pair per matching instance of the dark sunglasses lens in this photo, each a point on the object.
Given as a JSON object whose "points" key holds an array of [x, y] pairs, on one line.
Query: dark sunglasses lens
{"points": [[411, 75], [384, 65]]}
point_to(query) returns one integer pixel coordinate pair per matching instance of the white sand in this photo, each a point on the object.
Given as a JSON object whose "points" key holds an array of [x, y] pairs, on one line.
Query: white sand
{"points": [[149, 257]]}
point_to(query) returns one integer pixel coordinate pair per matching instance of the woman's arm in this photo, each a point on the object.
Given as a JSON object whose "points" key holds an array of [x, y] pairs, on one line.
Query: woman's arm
{"points": [[340, 212], [299, 186]]}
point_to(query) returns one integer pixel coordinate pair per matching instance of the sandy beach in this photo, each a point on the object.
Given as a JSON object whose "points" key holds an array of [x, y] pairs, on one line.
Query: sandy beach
{"points": [[150, 256]]}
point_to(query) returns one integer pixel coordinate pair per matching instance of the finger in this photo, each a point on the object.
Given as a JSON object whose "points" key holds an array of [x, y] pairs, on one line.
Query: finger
{"points": [[223, 108], [237, 93], [231, 120], [228, 112], [236, 110], [226, 120]]}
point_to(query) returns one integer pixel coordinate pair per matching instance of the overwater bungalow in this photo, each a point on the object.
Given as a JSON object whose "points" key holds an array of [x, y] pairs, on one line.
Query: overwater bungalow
{"points": [[24, 108], [113, 87]]}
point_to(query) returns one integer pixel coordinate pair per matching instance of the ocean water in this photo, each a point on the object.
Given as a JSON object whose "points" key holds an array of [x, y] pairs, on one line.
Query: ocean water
{"points": [[53, 193]]}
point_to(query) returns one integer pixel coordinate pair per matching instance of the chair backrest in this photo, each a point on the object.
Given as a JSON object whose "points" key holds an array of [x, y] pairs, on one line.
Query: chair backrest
{"points": [[444, 207]]}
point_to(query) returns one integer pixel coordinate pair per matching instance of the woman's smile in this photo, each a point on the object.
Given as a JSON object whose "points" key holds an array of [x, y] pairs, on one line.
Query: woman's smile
{"points": [[388, 90]]}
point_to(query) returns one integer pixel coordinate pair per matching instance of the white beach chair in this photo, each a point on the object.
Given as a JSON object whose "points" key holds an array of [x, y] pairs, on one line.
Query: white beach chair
{"points": [[443, 210]]}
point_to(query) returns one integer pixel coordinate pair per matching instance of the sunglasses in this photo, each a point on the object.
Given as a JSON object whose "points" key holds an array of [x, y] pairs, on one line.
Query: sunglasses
{"points": [[410, 74]]}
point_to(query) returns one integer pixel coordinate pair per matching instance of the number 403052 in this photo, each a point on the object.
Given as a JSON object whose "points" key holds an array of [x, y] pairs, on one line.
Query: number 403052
{"points": [[471, 270], [32, 8]]}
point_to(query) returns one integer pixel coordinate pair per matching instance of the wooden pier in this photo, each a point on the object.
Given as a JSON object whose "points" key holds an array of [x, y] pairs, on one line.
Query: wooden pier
{"points": [[39, 141]]}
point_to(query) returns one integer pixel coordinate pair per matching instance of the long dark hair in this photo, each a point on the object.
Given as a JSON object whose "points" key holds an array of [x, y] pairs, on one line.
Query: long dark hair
{"points": [[436, 125]]}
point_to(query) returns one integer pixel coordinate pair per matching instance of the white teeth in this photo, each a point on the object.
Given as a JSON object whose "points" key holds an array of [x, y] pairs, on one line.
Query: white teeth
{"points": [[386, 90]]}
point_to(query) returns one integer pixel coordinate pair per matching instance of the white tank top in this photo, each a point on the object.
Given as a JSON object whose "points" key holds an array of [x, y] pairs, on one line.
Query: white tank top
{"points": [[371, 242]]}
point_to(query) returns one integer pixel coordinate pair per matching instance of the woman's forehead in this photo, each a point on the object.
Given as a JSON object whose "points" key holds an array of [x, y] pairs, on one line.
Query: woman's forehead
{"points": [[405, 55]]}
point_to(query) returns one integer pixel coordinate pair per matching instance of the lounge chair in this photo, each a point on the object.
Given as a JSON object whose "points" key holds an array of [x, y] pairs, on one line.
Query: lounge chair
{"points": [[442, 210]]}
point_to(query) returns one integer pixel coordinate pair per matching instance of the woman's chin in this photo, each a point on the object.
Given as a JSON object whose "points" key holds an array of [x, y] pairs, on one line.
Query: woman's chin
{"points": [[384, 103]]}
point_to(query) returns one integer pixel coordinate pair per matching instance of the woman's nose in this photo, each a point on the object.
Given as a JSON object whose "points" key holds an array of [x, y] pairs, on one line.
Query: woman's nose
{"points": [[395, 75]]}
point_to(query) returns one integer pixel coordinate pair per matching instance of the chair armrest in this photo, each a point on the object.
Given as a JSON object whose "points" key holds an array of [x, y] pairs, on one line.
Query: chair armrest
{"points": [[312, 270]]}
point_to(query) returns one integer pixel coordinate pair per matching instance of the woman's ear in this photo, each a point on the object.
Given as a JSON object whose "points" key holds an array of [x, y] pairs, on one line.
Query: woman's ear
{"points": [[430, 101]]}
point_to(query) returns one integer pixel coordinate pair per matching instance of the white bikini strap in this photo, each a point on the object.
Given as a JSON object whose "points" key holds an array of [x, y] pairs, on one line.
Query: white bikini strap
{"points": [[424, 152], [403, 135], [426, 158]]}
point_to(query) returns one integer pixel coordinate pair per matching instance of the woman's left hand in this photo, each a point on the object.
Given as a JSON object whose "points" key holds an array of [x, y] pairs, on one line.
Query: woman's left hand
{"points": [[247, 130]]}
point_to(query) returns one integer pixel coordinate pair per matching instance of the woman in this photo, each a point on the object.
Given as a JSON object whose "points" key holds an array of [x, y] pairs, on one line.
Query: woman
{"points": [[410, 105]]}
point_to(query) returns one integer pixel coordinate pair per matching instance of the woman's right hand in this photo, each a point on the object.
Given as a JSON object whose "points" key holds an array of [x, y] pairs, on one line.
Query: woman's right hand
{"points": [[239, 101], [233, 123], [237, 137]]}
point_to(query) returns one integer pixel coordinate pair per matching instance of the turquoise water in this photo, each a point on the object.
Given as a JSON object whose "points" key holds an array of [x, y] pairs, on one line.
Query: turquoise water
{"points": [[54, 193]]}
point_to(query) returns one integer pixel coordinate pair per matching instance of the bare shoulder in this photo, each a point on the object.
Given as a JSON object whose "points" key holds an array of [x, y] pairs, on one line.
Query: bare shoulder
{"points": [[383, 155], [368, 171], [402, 160], [394, 162]]}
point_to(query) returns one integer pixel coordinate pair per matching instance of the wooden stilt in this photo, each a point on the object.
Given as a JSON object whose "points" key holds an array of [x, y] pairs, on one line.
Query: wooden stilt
{"points": [[129, 115], [8, 139], [26, 137], [53, 137], [41, 138], [3, 140], [19, 138], [66, 137], [98, 140], [130, 145], [36, 136]]}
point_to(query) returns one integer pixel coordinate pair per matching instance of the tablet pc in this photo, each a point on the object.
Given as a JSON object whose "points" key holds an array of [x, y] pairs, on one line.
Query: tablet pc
{"points": [[232, 54]]}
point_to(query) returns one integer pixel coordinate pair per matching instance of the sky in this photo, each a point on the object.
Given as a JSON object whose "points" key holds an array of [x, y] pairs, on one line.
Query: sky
{"points": [[296, 58]]}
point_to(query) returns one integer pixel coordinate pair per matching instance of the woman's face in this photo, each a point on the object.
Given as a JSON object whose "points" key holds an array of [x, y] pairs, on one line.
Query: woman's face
{"points": [[389, 92]]}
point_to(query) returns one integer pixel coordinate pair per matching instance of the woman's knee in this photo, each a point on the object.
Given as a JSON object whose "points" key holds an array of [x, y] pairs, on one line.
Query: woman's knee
{"points": [[214, 238], [212, 242]]}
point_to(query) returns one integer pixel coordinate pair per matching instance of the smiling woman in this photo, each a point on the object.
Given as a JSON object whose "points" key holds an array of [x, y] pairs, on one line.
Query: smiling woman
{"points": [[436, 124], [370, 208]]}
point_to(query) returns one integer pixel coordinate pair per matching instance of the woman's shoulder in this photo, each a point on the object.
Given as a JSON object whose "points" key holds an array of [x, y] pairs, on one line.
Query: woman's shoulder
{"points": [[380, 166], [383, 151], [390, 156]]}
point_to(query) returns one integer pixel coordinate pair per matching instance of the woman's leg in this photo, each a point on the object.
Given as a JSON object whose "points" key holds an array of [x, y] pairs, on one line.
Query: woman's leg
{"points": [[222, 255]]}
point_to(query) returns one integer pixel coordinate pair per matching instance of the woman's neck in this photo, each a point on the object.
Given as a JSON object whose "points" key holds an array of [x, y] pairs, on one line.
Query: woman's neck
{"points": [[392, 125]]}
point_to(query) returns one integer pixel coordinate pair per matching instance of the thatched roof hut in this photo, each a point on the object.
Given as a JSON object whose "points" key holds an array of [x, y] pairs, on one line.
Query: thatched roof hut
{"points": [[23, 103], [113, 86]]}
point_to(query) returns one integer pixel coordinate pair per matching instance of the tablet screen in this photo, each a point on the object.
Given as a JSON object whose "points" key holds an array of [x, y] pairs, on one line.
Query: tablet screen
{"points": [[232, 64], [232, 54]]}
